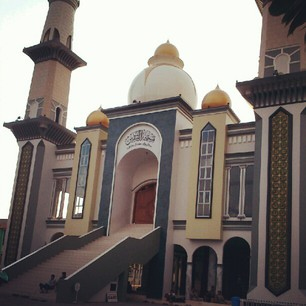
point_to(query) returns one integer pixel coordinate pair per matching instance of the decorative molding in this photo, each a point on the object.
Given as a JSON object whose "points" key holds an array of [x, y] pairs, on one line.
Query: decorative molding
{"points": [[19, 203], [248, 138], [40, 104], [147, 107], [41, 127], [276, 90], [179, 224], [62, 157], [54, 50], [235, 225], [62, 172], [278, 241]]}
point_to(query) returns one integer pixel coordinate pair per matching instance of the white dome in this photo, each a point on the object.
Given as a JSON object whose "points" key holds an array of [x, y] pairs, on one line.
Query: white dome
{"points": [[164, 78]]}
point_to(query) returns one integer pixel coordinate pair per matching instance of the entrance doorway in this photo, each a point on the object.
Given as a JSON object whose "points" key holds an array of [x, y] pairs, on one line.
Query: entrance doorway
{"points": [[204, 271], [179, 270], [144, 204], [236, 265]]}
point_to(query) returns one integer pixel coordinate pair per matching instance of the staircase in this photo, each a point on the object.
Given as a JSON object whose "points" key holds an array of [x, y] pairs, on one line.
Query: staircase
{"points": [[93, 265]]}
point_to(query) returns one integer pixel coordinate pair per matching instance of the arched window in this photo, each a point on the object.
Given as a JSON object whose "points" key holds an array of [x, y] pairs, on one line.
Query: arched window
{"points": [[281, 63], [47, 35], [58, 113], [33, 109], [68, 42], [56, 35], [80, 191], [205, 176]]}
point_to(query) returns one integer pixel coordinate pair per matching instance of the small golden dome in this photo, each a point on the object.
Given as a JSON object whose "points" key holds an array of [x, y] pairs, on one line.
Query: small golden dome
{"points": [[167, 49], [216, 98], [97, 117], [166, 54]]}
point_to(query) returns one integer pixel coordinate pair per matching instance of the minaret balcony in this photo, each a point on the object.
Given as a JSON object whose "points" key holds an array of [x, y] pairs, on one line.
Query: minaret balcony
{"points": [[41, 127], [54, 50], [279, 89]]}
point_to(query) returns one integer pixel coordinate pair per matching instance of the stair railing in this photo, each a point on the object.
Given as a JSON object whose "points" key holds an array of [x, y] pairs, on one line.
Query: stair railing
{"points": [[51, 249], [106, 267]]}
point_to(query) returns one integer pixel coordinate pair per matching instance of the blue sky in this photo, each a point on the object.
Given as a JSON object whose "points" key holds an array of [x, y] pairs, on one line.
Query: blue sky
{"points": [[217, 40]]}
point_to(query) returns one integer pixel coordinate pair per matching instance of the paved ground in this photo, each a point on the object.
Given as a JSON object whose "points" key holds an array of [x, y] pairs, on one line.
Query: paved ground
{"points": [[8, 300]]}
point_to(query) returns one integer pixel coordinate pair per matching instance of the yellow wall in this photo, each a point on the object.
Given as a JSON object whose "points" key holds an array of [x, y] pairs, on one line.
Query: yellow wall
{"points": [[207, 228], [84, 225]]}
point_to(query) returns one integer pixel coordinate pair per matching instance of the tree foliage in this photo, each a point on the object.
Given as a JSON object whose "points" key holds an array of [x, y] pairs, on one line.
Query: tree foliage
{"points": [[293, 11]]}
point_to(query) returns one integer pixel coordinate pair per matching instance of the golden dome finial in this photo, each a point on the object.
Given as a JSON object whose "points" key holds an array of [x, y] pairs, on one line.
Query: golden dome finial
{"points": [[167, 54], [97, 117], [216, 98]]}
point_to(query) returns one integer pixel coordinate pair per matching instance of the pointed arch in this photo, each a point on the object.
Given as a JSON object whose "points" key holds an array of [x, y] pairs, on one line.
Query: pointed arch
{"points": [[46, 36], [81, 184], [205, 174], [56, 34]]}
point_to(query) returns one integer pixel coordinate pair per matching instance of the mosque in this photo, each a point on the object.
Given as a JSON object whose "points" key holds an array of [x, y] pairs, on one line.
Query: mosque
{"points": [[157, 193]]}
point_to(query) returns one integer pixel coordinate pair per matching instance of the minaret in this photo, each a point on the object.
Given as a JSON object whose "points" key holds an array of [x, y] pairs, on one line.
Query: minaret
{"points": [[54, 62], [41, 131], [278, 95]]}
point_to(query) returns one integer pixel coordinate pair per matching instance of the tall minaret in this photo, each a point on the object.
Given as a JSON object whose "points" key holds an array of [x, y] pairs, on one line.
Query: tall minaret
{"points": [[54, 62], [41, 131], [278, 95]]}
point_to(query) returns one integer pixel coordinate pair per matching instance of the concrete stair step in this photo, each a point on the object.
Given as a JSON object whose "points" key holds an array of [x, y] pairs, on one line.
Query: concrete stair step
{"points": [[69, 261]]}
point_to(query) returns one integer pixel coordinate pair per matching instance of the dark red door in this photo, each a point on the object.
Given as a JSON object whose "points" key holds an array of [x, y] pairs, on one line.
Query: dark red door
{"points": [[144, 204]]}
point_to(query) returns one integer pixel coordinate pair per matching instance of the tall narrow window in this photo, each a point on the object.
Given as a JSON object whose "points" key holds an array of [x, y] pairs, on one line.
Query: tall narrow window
{"points": [[58, 113], [68, 42], [81, 180], [234, 192], [205, 177], [60, 198], [56, 34]]}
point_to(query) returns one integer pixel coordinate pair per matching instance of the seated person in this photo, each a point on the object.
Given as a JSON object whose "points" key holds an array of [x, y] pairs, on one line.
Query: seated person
{"points": [[49, 285]]}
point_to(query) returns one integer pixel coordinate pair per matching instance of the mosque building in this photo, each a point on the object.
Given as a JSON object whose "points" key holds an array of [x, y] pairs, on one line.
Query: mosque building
{"points": [[156, 192]]}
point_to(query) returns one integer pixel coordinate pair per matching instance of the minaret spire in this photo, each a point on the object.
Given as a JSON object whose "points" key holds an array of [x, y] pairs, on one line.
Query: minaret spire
{"points": [[54, 62]]}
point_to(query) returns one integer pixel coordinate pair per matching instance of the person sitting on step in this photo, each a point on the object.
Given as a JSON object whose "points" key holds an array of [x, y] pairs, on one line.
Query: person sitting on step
{"points": [[49, 285]]}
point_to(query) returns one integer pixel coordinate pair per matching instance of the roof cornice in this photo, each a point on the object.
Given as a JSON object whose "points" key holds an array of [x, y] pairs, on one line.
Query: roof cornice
{"points": [[276, 90], [40, 127], [150, 106]]}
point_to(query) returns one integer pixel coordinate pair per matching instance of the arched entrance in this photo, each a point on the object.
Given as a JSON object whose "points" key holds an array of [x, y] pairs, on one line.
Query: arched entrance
{"points": [[236, 264], [56, 236], [134, 189], [204, 270], [179, 270], [144, 204]]}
